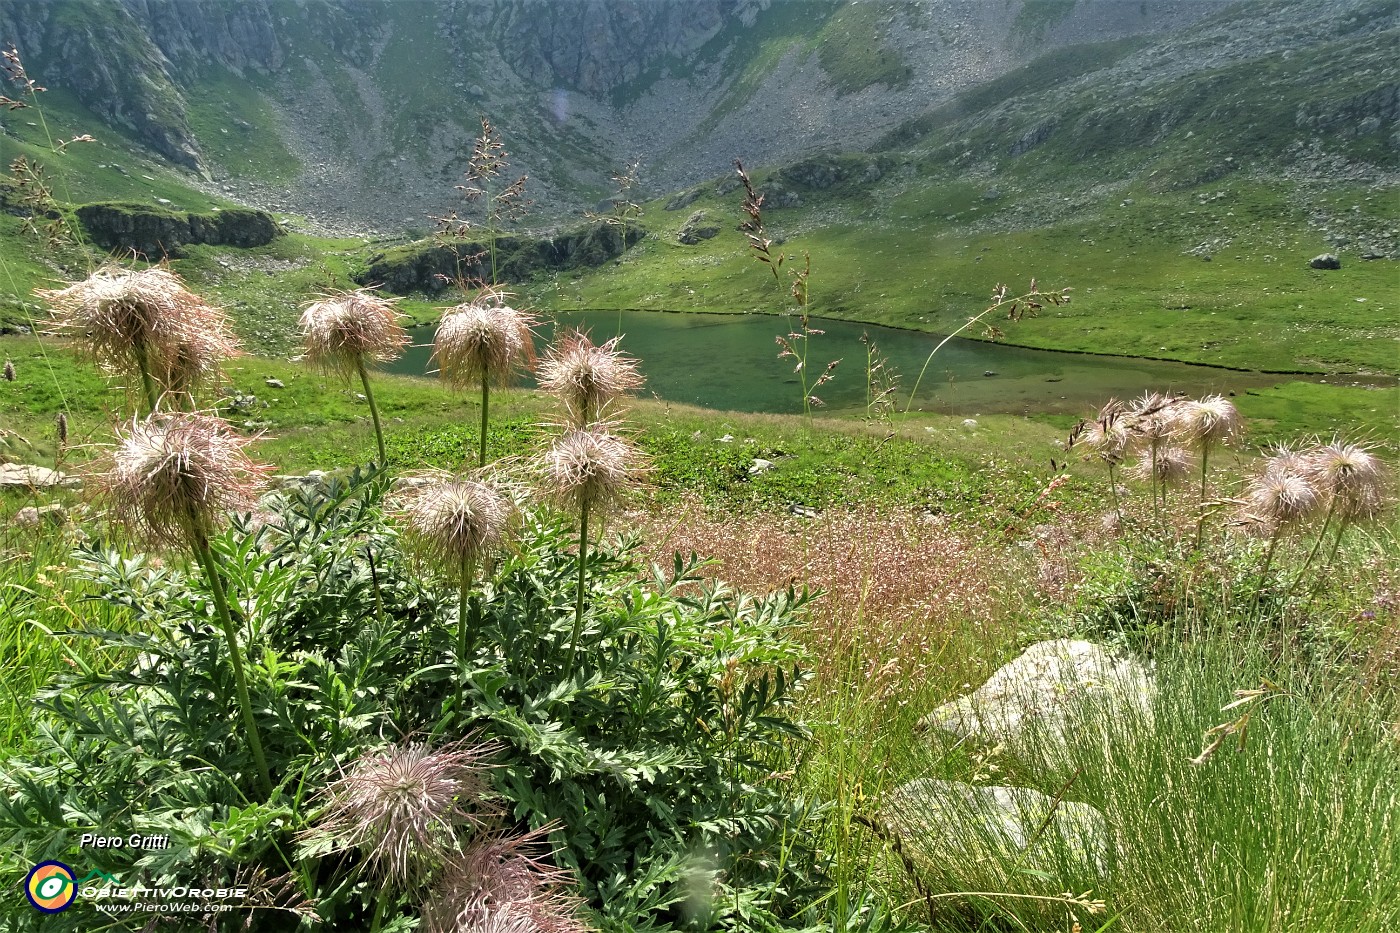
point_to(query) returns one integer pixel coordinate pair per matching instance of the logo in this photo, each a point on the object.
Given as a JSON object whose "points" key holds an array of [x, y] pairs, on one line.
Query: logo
{"points": [[50, 887]]}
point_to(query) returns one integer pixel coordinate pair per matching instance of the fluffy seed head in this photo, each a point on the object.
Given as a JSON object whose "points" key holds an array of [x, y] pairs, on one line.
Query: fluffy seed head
{"points": [[455, 520], [61, 427], [174, 477], [1170, 466], [345, 329], [1350, 476], [1279, 498], [503, 884], [587, 377], [123, 319], [9, 372], [589, 466], [1153, 417], [402, 808], [477, 342], [1212, 420]]}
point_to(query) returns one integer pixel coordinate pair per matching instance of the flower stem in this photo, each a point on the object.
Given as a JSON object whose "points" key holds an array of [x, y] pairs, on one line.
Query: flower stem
{"points": [[373, 412], [463, 629], [216, 583], [578, 604], [1321, 535], [1201, 499], [148, 384], [485, 413]]}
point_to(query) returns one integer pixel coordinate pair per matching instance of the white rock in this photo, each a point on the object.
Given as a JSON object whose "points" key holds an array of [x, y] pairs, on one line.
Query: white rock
{"points": [[760, 465], [727, 439], [969, 422], [951, 822], [274, 383], [1040, 702], [31, 517], [29, 476]]}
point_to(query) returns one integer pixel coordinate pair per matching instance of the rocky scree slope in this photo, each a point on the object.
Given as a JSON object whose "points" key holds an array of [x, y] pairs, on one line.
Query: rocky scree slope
{"points": [[373, 104]]}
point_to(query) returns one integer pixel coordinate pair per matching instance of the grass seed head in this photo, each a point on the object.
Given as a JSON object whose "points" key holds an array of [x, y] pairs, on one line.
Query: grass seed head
{"points": [[503, 884], [173, 477], [590, 466], [478, 341], [455, 520], [587, 377], [403, 806], [9, 372], [345, 329]]}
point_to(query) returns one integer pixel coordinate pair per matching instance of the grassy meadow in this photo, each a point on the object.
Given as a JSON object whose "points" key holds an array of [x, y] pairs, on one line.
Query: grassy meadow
{"points": [[678, 681]]}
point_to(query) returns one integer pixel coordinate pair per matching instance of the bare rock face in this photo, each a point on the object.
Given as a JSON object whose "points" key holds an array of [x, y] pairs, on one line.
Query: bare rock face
{"points": [[1037, 704]]}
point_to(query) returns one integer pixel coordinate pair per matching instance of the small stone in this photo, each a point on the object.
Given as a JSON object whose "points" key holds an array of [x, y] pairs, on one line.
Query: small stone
{"points": [[32, 517], [727, 439], [1326, 261], [760, 465], [274, 383], [969, 422]]}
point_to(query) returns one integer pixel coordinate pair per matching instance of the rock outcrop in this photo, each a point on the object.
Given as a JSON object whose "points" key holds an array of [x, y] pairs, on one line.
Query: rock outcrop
{"points": [[155, 232]]}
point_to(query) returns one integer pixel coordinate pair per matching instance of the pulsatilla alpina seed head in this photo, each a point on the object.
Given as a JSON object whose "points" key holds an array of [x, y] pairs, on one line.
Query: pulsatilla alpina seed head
{"points": [[479, 341], [503, 884], [1211, 420], [345, 329], [1171, 465], [172, 478], [1351, 478], [129, 320], [9, 371], [589, 466], [455, 519], [587, 377], [403, 807]]}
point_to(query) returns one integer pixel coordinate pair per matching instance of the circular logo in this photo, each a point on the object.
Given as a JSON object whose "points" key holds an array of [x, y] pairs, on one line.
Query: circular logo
{"points": [[50, 887]]}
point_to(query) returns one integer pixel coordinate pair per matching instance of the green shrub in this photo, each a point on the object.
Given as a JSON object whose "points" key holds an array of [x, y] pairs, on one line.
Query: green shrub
{"points": [[661, 765]]}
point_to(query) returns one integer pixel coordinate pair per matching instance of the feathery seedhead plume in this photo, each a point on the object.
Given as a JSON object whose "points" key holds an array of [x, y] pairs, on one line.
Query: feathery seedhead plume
{"points": [[477, 341], [123, 319], [455, 519], [502, 884], [1153, 417], [9, 372], [587, 377], [1278, 498], [1350, 476], [1170, 466], [173, 478], [344, 329], [590, 466], [61, 426], [403, 806], [1209, 421]]}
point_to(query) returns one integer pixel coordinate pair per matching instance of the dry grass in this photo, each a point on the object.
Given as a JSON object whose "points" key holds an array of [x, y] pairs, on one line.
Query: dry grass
{"points": [[906, 595]]}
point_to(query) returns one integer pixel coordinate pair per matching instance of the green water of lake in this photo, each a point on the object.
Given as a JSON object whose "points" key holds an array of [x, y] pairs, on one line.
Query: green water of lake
{"points": [[729, 362]]}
